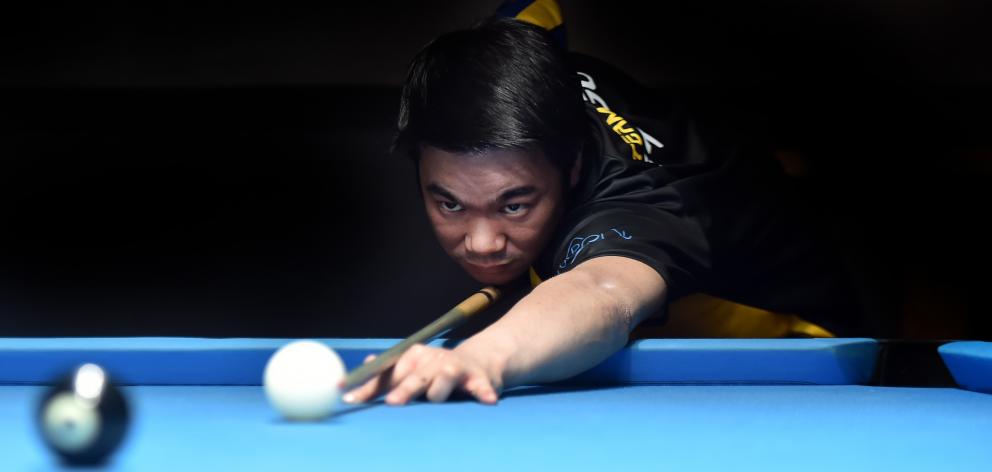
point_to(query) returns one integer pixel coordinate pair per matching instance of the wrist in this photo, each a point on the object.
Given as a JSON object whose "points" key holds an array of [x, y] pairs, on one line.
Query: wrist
{"points": [[492, 354]]}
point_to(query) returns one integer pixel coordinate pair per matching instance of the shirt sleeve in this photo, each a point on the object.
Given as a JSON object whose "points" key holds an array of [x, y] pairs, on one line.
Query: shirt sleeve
{"points": [[659, 237]]}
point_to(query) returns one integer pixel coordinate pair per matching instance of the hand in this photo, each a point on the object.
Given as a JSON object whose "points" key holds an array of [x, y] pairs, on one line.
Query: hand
{"points": [[435, 372]]}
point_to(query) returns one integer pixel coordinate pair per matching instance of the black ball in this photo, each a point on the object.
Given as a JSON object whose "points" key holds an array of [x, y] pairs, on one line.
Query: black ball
{"points": [[84, 416]]}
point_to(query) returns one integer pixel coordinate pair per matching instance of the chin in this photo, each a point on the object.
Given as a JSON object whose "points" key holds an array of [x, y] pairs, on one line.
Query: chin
{"points": [[493, 280]]}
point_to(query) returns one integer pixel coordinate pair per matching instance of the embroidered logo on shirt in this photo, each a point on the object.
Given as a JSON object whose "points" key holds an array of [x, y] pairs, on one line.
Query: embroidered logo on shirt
{"points": [[579, 243]]}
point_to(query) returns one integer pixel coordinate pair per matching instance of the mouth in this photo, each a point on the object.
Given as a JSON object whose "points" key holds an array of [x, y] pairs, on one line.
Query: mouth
{"points": [[490, 267], [498, 273]]}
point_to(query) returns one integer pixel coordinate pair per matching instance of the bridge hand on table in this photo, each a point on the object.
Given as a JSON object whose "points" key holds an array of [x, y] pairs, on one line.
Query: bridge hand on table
{"points": [[430, 371]]}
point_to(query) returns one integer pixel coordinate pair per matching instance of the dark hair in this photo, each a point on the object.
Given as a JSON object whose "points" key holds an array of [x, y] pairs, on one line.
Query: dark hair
{"points": [[503, 84]]}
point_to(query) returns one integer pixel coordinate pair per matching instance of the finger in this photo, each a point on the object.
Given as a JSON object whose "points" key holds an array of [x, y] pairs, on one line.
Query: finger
{"points": [[370, 389], [448, 377], [407, 363], [479, 386], [413, 386], [417, 379], [366, 391], [389, 379], [415, 359]]}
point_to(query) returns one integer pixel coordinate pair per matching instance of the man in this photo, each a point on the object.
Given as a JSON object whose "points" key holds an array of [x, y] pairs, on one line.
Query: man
{"points": [[527, 167]]}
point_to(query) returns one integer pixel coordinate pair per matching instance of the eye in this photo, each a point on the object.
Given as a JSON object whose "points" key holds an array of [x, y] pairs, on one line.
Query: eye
{"points": [[514, 208], [450, 206]]}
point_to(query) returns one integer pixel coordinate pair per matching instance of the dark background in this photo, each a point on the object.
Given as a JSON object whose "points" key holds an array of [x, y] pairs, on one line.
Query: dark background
{"points": [[220, 169]]}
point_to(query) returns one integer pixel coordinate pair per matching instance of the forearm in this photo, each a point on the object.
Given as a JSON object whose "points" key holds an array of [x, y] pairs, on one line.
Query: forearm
{"points": [[568, 323]]}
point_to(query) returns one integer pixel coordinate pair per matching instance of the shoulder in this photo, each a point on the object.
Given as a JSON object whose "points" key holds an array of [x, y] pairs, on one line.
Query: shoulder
{"points": [[612, 100]]}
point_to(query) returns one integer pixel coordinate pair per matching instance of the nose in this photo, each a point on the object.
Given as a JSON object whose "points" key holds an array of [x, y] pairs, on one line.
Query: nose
{"points": [[484, 238]]}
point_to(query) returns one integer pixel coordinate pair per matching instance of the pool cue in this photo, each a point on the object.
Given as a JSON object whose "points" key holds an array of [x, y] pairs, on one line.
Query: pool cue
{"points": [[462, 312]]}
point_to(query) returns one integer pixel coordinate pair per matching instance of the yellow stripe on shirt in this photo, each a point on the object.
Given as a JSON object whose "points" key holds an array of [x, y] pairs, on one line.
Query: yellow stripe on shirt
{"points": [[705, 316], [543, 13]]}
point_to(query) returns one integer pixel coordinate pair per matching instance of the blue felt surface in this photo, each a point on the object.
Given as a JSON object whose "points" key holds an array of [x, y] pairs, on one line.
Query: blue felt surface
{"points": [[970, 363], [197, 361], [697, 428]]}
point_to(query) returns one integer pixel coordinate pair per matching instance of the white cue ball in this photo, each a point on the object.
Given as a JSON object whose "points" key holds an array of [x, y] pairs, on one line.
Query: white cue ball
{"points": [[301, 380]]}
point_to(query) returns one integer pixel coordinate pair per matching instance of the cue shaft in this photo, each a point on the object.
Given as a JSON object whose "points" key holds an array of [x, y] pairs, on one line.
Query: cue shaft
{"points": [[459, 314]]}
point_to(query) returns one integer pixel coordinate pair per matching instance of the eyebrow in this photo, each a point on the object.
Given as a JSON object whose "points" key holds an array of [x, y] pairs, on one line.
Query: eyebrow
{"points": [[441, 191], [507, 195], [518, 192]]}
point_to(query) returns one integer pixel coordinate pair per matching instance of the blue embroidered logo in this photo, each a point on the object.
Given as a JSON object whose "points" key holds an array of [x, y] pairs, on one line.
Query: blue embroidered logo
{"points": [[578, 244]]}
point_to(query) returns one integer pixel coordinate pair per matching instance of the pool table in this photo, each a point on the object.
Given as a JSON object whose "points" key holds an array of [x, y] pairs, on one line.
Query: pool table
{"points": [[788, 404]]}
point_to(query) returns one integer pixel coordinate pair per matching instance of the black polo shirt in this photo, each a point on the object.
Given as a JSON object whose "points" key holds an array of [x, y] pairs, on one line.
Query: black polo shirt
{"points": [[709, 214]]}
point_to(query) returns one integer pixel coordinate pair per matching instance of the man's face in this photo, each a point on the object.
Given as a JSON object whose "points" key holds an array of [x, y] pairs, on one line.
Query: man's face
{"points": [[492, 212]]}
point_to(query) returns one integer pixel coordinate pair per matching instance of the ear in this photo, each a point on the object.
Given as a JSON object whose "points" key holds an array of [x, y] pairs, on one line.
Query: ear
{"points": [[576, 171]]}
